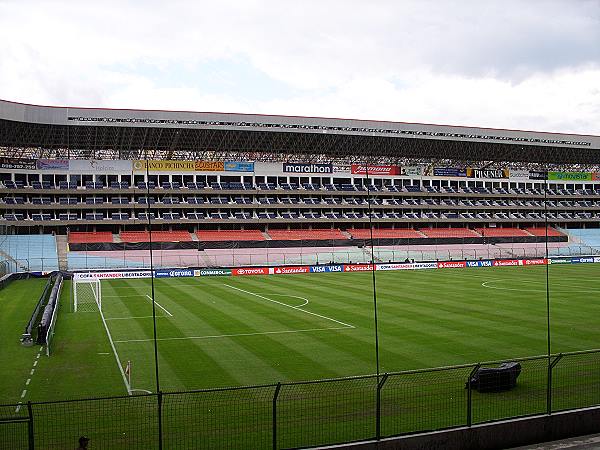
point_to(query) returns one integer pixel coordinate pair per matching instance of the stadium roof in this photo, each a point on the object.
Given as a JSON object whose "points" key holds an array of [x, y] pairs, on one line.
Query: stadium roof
{"points": [[33, 131]]}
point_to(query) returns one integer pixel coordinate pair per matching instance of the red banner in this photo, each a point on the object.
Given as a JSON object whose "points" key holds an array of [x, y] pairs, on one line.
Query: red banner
{"points": [[251, 271], [451, 264], [361, 169], [286, 270], [508, 262], [535, 262], [357, 267]]}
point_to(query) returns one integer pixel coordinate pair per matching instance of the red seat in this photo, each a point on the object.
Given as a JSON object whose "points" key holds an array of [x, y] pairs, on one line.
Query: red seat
{"points": [[541, 231], [383, 233], [157, 236], [303, 235], [229, 235], [83, 237], [502, 232], [449, 233]]}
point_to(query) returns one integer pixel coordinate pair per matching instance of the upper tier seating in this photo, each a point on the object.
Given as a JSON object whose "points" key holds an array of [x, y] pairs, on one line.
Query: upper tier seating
{"points": [[502, 232], [82, 237], [385, 233], [449, 232], [300, 235], [227, 235], [157, 236], [541, 231]]}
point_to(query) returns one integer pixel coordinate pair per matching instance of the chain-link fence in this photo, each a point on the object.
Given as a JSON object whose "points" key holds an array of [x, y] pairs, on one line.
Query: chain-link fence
{"points": [[301, 414]]}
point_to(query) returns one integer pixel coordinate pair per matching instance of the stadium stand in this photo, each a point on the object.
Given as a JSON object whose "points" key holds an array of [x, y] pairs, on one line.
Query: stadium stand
{"points": [[391, 233], [81, 237], [226, 235], [157, 236], [541, 231], [501, 232], [300, 235], [34, 252], [449, 233]]}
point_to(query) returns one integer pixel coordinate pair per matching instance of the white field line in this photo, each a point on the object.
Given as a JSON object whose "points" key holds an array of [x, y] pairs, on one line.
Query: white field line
{"points": [[293, 296], [297, 308], [133, 317], [234, 335], [35, 363], [541, 289], [160, 306], [112, 344]]}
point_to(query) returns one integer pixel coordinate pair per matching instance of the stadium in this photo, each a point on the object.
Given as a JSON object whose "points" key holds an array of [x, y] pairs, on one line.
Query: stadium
{"points": [[175, 279]]}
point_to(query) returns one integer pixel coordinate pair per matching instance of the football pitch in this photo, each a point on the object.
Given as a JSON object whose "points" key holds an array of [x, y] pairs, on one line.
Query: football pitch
{"points": [[235, 331]]}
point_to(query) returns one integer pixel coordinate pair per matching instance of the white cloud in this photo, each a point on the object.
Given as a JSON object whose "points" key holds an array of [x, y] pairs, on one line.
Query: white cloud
{"points": [[509, 64]]}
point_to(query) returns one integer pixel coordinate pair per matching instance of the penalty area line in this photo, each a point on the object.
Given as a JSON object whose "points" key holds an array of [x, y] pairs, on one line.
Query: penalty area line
{"points": [[112, 344], [216, 336], [159, 305], [297, 308]]}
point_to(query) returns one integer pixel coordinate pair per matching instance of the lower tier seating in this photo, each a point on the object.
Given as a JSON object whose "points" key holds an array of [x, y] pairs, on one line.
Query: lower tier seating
{"points": [[385, 233], [228, 235], [157, 236], [82, 237], [449, 233], [299, 235]]}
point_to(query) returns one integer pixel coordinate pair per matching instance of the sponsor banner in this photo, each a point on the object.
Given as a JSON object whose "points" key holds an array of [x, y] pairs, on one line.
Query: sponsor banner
{"points": [[570, 176], [361, 169], [451, 264], [293, 269], [519, 174], [487, 173], [535, 262], [52, 164], [341, 169], [173, 273], [484, 263], [429, 265], [583, 260], [412, 171], [17, 163], [358, 267], [307, 168], [100, 166], [449, 172], [596, 259], [399, 266], [164, 165], [326, 269], [212, 272], [538, 175], [238, 166], [251, 271], [507, 262], [112, 275], [560, 261], [212, 166]]}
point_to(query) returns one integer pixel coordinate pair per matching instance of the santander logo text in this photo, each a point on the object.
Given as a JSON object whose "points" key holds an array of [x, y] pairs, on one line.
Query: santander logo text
{"points": [[451, 264], [287, 270]]}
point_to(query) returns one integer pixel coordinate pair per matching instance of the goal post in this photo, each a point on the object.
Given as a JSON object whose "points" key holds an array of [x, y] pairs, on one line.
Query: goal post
{"points": [[87, 295]]}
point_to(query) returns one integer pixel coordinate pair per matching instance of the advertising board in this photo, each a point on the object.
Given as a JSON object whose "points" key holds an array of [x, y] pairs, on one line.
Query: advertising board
{"points": [[357, 267], [164, 165], [100, 166], [289, 270], [250, 271], [449, 172], [535, 262], [173, 273], [399, 266], [412, 171], [326, 269], [451, 264], [209, 166], [361, 169], [484, 263], [52, 164], [307, 168], [17, 163], [570, 176], [112, 275], [238, 166], [507, 262], [212, 272], [487, 173]]}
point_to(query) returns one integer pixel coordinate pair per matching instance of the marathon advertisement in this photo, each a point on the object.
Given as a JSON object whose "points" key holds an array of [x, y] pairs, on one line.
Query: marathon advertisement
{"points": [[290, 270], [52, 164], [17, 164], [173, 273], [358, 267], [570, 176], [487, 173], [112, 275], [250, 271], [239, 166], [212, 273], [451, 264], [361, 169], [326, 269], [484, 263], [449, 172], [307, 168]]}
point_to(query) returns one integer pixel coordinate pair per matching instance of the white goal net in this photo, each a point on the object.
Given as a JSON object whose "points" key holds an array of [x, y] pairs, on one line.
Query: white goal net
{"points": [[87, 295]]}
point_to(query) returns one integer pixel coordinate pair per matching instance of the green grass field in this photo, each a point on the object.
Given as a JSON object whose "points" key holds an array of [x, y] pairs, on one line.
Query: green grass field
{"points": [[234, 331]]}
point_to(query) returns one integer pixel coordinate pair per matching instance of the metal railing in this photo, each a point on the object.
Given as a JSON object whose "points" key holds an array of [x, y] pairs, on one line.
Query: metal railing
{"points": [[302, 414]]}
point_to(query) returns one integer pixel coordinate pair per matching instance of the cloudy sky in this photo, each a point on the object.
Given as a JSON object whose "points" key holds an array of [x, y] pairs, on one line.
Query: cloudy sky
{"points": [[507, 64]]}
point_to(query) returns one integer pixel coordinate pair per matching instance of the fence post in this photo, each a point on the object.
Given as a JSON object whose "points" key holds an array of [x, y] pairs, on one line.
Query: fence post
{"points": [[551, 366], [380, 384], [160, 433], [30, 426], [470, 395], [275, 396]]}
